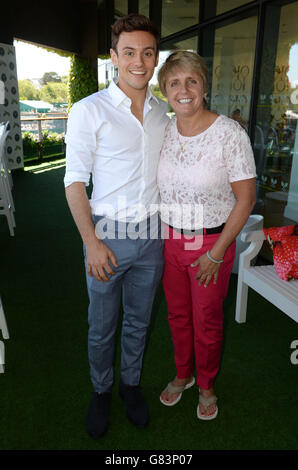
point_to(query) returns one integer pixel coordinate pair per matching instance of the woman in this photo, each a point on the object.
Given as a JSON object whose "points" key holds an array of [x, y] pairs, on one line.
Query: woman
{"points": [[206, 178]]}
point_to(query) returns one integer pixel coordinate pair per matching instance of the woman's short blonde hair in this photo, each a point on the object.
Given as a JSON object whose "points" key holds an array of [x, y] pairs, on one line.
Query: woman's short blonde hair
{"points": [[182, 60]]}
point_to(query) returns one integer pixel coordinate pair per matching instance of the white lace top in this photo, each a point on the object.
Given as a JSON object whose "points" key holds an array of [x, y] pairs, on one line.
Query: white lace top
{"points": [[194, 183]]}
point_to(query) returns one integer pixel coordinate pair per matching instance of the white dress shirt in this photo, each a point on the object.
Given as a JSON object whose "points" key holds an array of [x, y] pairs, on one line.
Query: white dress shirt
{"points": [[106, 140]]}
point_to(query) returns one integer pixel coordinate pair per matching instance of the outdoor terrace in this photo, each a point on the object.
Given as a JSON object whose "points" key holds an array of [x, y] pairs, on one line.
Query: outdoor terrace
{"points": [[45, 390], [43, 137]]}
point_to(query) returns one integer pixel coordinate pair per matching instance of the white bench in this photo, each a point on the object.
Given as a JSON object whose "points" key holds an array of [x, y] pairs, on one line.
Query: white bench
{"points": [[264, 280]]}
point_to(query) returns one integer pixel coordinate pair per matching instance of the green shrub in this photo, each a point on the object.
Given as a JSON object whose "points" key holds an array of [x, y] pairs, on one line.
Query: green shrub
{"points": [[51, 138], [51, 144], [82, 80], [30, 144]]}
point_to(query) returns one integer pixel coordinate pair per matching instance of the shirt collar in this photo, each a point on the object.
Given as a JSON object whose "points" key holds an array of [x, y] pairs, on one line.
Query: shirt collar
{"points": [[118, 96], [150, 95]]}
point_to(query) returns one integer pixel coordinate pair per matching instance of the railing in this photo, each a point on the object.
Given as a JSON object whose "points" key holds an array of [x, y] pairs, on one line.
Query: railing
{"points": [[39, 120], [43, 145]]}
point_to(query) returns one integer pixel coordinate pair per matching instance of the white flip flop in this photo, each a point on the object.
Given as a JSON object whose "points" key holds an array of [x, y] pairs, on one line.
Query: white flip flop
{"points": [[176, 389], [207, 402]]}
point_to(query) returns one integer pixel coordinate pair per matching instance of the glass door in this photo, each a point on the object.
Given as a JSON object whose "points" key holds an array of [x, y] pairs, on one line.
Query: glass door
{"points": [[229, 52], [276, 132]]}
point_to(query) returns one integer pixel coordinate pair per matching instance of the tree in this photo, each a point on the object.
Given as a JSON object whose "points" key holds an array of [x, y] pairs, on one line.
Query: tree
{"points": [[50, 77], [54, 93], [27, 90], [156, 91]]}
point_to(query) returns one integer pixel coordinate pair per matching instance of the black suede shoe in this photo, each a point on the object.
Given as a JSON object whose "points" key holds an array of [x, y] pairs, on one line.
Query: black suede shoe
{"points": [[98, 416], [136, 406]]}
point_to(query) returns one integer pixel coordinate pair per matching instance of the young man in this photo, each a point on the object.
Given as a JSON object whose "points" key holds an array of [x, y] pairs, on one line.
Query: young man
{"points": [[116, 134]]}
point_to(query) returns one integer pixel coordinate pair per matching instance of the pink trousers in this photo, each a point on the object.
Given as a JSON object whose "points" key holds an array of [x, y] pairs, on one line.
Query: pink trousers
{"points": [[195, 312]]}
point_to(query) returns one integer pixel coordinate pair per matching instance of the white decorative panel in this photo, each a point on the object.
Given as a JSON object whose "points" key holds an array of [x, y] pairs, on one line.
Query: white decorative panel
{"points": [[9, 106]]}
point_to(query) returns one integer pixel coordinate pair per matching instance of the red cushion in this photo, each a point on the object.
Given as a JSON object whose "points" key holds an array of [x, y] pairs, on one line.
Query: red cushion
{"points": [[284, 243]]}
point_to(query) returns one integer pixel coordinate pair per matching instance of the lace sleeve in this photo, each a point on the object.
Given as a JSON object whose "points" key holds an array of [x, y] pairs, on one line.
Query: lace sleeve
{"points": [[239, 156]]}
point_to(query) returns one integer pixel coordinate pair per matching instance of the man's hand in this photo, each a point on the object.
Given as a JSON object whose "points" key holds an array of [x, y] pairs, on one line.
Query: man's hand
{"points": [[98, 256], [206, 271]]}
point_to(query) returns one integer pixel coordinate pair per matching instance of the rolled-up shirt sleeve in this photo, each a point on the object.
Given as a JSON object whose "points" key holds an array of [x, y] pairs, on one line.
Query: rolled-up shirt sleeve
{"points": [[80, 145]]}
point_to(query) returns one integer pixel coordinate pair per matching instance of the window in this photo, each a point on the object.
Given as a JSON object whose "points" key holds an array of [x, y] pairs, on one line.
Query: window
{"points": [[231, 64], [217, 7], [178, 15], [276, 131], [186, 44], [225, 5], [121, 8], [144, 7]]}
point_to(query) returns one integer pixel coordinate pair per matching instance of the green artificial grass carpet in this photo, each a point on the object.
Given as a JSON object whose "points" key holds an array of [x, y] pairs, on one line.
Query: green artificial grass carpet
{"points": [[45, 390]]}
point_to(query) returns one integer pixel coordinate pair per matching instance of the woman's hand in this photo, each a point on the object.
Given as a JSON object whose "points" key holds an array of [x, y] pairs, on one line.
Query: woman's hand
{"points": [[207, 270], [245, 194]]}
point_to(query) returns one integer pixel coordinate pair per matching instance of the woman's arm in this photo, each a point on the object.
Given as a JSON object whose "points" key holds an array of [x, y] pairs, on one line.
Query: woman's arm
{"points": [[245, 194]]}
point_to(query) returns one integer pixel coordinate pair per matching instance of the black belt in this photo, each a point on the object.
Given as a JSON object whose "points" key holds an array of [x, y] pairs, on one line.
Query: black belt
{"points": [[200, 231]]}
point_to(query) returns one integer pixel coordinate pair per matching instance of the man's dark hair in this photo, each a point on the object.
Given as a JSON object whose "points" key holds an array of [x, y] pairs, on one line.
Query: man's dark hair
{"points": [[130, 23]]}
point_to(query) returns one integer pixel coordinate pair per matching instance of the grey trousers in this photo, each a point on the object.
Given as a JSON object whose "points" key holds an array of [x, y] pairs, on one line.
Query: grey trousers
{"points": [[140, 267]]}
